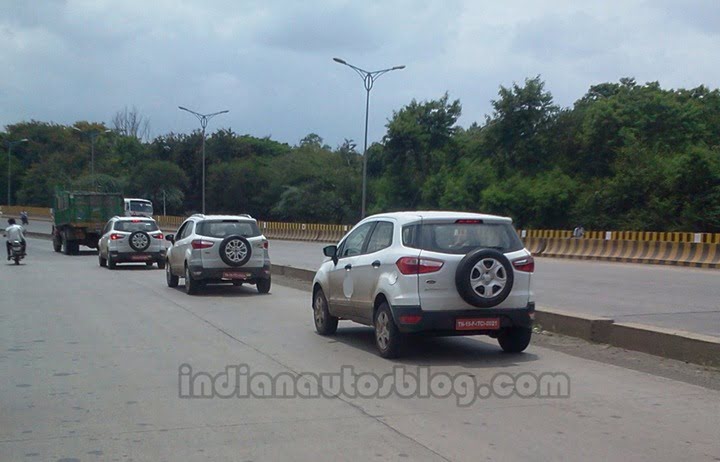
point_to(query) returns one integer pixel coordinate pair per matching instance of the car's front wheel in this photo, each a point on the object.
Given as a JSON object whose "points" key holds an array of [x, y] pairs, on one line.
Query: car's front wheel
{"points": [[325, 323], [514, 339], [172, 280], [387, 335]]}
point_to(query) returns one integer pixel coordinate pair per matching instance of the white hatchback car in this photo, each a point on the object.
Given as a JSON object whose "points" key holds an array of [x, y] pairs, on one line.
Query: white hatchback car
{"points": [[131, 240], [438, 273]]}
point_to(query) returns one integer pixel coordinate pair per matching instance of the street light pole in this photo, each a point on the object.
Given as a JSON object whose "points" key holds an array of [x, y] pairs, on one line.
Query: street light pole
{"points": [[204, 119], [92, 134], [10, 145], [369, 78]]}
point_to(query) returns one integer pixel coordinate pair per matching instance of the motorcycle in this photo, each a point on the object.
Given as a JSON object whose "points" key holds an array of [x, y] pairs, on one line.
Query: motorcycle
{"points": [[16, 251]]}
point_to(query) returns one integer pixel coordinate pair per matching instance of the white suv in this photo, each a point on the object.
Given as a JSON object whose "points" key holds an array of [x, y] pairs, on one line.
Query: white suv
{"points": [[131, 240], [439, 273], [216, 249]]}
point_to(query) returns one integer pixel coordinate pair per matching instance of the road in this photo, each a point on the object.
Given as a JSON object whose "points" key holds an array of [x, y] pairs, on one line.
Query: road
{"points": [[90, 361], [665, 296]]}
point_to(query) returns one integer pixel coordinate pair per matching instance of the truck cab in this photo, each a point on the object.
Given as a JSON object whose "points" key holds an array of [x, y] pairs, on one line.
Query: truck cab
{"points": [[138, 208]]}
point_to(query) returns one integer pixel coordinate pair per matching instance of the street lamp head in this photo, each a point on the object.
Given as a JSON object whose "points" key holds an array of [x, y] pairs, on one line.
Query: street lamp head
{"points": [[338, 60], [397, 68], [183, 108]]}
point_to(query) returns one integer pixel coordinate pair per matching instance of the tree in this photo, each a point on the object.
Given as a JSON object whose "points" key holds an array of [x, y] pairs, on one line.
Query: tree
{"points": [[131, 123]]}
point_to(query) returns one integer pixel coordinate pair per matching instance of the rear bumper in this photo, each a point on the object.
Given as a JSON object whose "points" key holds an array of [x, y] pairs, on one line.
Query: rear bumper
{"points": [[443, 322], [137, 257], [236, 274]]}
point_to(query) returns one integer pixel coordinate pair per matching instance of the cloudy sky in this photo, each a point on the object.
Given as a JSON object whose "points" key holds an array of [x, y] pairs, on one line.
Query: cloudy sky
{"points": [[270, 61]]}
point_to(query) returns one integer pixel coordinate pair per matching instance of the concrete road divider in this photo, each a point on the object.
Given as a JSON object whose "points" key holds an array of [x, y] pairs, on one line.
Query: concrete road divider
{"points": [[674, 344], [694, 254]]}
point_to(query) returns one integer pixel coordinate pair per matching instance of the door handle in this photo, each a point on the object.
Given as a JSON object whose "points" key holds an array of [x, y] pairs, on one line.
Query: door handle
{"points": [[348, 267], [376, 264]]}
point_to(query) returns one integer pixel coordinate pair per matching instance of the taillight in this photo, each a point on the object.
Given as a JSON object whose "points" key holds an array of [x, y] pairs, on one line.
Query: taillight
{"points": [[265, 244], [414, 265], [158, 236], [115, 236], [465, 221], [526, 265], [201, 244]]}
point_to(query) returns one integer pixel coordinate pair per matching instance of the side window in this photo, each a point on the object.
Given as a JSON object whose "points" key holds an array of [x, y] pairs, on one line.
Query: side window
{"points": [[410, 236], [381, 237], [353, 245]]}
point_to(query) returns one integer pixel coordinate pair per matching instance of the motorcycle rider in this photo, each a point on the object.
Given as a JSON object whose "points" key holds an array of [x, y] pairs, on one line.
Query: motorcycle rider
{"points": [[14, 232]]}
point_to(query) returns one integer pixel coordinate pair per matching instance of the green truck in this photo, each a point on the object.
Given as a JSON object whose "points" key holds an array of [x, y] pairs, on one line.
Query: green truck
{"points": [[80, 216]]}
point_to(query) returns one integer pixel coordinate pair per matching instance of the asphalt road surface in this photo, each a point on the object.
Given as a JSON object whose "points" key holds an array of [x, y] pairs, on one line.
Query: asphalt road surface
{"points": [[91, 369], [666, 296]]}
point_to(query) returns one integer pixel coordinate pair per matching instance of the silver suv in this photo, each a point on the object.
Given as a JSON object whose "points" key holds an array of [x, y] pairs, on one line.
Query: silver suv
{"points": [[217, 249], [439, 273], [131, 240]]}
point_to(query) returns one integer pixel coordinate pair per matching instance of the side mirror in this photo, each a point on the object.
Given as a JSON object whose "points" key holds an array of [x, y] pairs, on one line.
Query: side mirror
{"points": [[170, 237], [330, 251]]}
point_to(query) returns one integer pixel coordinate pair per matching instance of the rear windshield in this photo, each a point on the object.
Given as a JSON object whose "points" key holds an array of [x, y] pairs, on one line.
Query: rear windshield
{"points": [[224, 228], [137, 206], [132, 226], [461, 238]]}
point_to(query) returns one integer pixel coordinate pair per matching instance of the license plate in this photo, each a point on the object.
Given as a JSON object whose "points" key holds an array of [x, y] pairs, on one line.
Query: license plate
{"points": [[139, 257], [477, 324], [235, 275]]}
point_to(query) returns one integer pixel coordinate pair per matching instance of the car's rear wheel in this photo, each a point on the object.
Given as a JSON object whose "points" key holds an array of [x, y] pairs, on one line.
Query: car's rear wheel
{"points": [[172, 280], [325, 323], [111, 262], [263, 285], [101, 260], [149, 263], [387, 336], [514, 339], [191, 285]]}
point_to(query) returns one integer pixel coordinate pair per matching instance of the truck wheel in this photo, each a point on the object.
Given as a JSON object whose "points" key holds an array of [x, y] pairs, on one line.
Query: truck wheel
{"points": [[66, 246], [75, 248], [57, 244]]}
